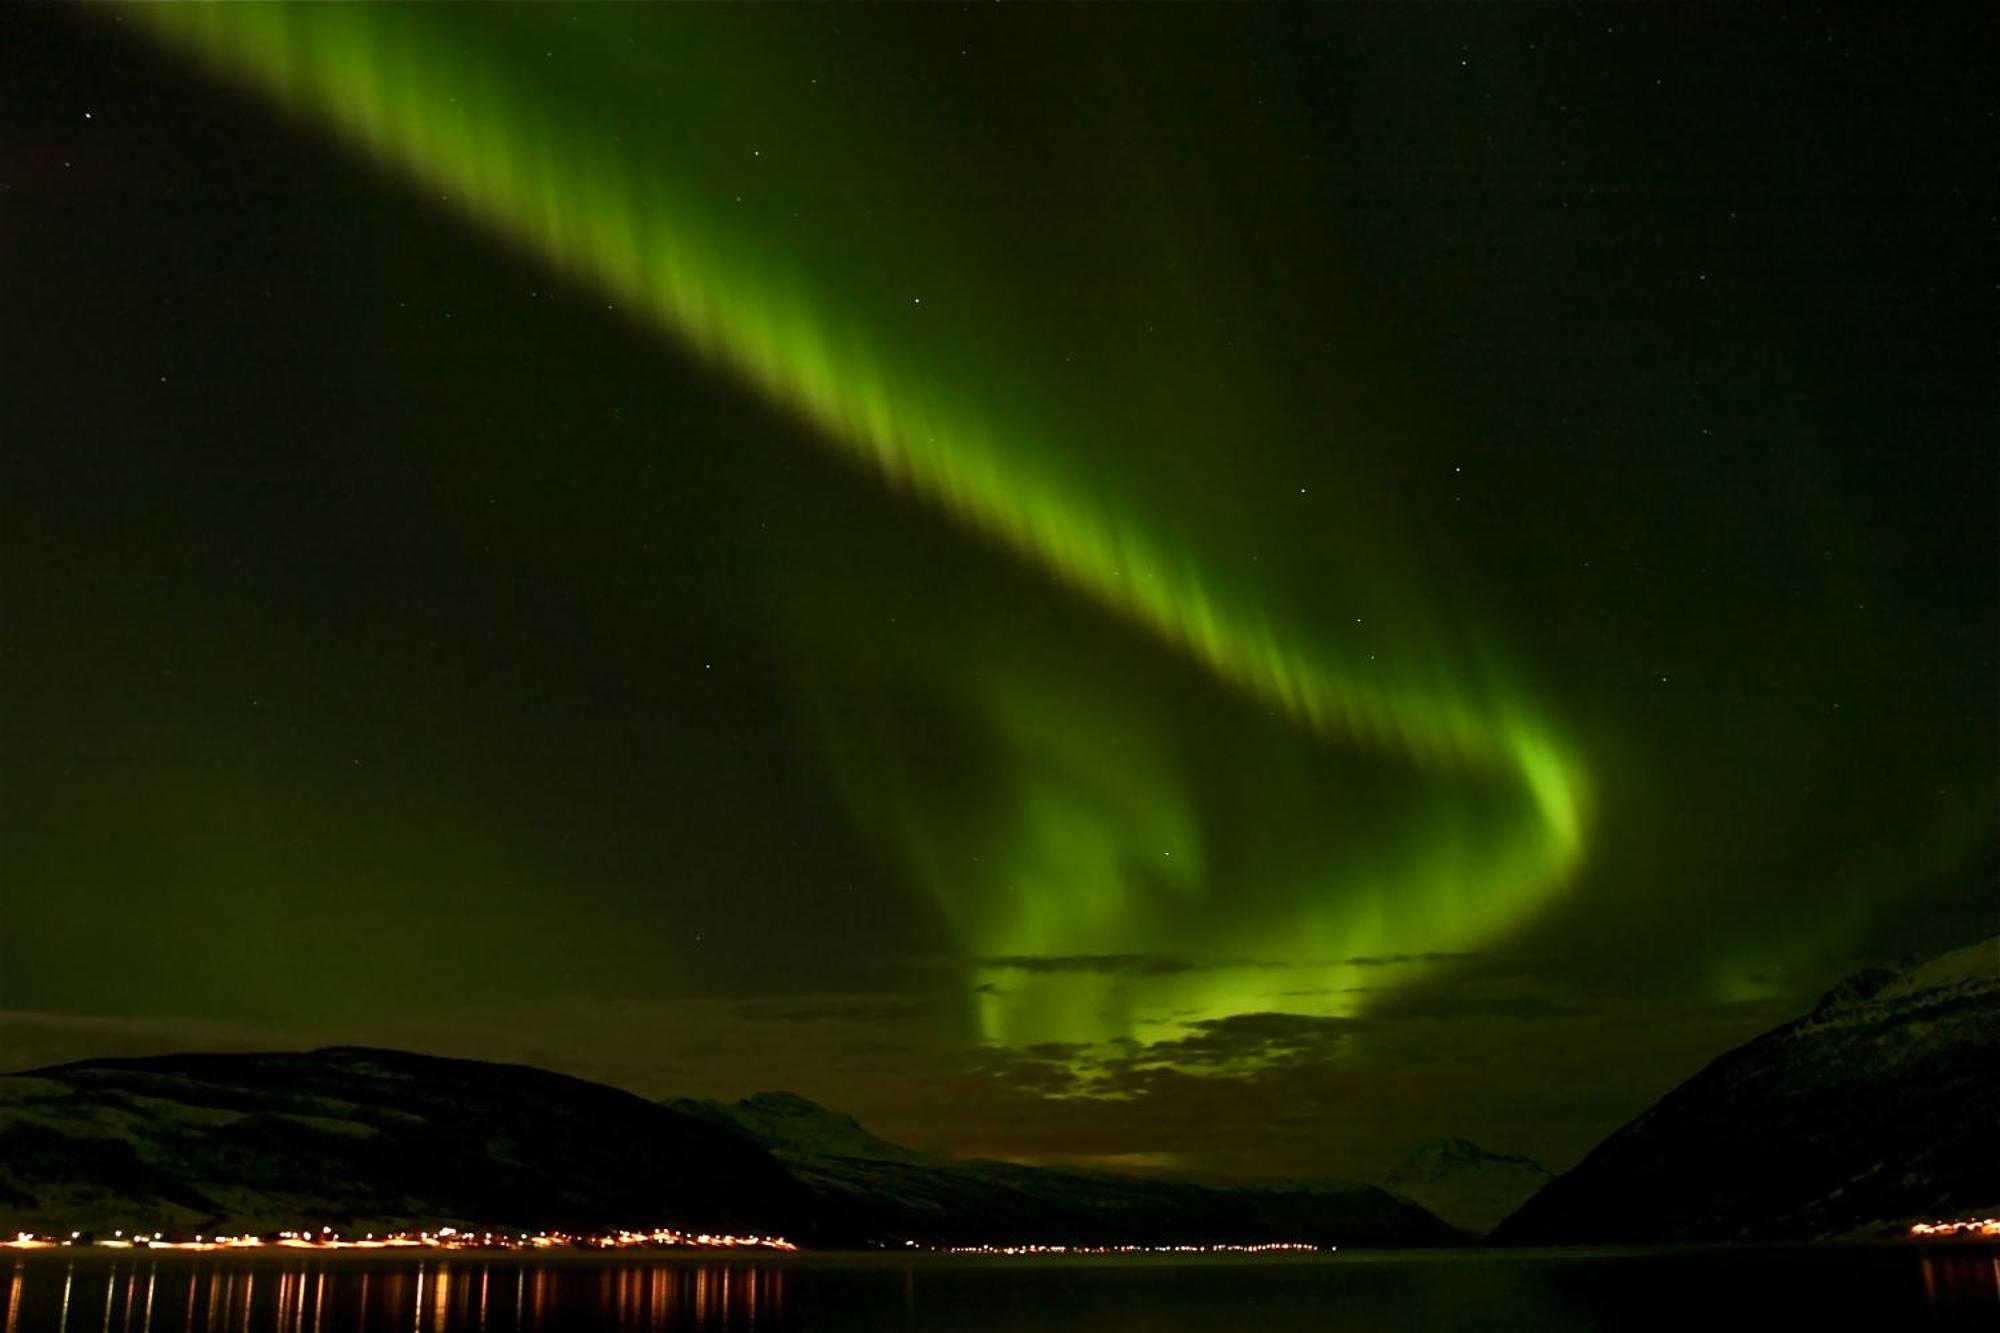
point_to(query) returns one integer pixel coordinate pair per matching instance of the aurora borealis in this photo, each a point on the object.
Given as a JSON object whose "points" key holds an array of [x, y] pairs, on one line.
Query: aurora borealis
{"points": [[1072, 878], [1157, 549]]}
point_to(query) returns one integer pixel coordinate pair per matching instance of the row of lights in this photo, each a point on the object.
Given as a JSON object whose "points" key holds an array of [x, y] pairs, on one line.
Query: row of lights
{"points": [[1268, 1247], [1970, 1226], [444, 1238], [451, 1238]]}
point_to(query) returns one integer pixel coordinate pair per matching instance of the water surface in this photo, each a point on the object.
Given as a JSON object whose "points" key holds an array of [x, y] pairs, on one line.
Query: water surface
{"points": [[1901, 1287]]}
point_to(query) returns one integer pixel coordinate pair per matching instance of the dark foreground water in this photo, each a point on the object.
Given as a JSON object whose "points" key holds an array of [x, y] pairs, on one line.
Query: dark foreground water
{"points": [[1874, 1288]]}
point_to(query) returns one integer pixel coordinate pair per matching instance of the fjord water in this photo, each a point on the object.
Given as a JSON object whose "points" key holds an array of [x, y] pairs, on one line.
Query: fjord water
{"points": [[1829, 1287]]}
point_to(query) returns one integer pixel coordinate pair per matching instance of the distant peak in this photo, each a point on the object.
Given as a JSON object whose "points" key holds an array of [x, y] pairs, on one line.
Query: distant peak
{"points": [[1450, 1155], [1448, 1148], [1453, 1146], [786, 1103]]}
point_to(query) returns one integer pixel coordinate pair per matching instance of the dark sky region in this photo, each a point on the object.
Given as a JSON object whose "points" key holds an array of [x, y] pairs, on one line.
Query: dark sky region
{"points": [[1221, 588]]}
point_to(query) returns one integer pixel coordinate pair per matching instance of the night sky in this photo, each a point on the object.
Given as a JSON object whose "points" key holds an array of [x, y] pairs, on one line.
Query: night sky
{"points": [[1227, 589]]}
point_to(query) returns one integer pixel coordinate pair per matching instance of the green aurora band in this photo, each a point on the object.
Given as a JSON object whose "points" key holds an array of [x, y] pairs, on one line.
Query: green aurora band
{"points": [[442, 100]]}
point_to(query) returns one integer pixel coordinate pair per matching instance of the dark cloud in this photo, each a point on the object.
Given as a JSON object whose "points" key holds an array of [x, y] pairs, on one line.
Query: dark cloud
{"points": [[1132, 964], [1524, 1003], [1251, 1041], [1401, 959], [1277, 1028], [1121, 964]]}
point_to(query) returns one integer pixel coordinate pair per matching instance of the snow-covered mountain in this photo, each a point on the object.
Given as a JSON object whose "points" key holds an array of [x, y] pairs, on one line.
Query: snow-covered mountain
{"points": [[1876, 1110], [1466, 1185]]}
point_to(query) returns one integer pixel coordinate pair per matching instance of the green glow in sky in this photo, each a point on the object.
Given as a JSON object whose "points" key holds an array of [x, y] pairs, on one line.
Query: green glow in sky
{"points": [[1097, 850]]}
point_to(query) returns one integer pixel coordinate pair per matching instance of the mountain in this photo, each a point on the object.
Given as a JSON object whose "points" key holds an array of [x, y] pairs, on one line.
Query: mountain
{"points": [[1466, 1185], [374, 1140], [365, 1140], [792, 1127], [1874, 1111], [887, 1194]]}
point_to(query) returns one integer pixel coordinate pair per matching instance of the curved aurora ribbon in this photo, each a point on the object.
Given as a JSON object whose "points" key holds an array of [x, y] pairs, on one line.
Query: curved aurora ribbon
{"points": [[389, 80]]}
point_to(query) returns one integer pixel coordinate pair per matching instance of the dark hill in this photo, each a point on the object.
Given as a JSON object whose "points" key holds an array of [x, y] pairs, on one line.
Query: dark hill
{"points": [[1874, 1111], [365, 1139]]}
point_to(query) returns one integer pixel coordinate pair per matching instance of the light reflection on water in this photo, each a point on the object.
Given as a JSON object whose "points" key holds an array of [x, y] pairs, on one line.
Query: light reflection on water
{"points": [[1856, 1287], [159, 1294]]}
